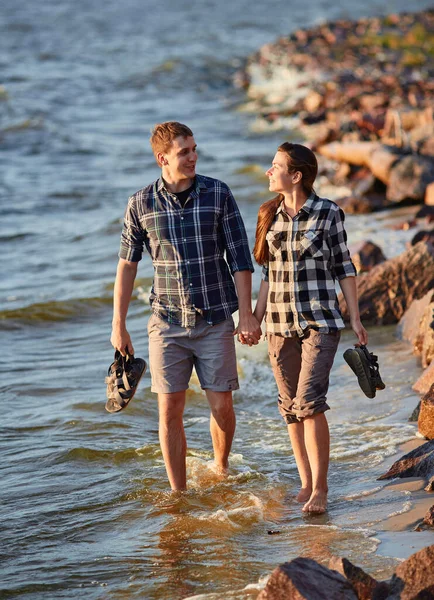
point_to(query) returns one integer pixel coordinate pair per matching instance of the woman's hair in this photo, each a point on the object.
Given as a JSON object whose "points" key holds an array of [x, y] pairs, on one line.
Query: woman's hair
{"points": [[300, 159]]}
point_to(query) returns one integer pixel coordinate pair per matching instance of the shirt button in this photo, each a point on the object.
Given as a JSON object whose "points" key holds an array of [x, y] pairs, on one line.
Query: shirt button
{"points": [[191, 284], [182, 218], [184, 240]]}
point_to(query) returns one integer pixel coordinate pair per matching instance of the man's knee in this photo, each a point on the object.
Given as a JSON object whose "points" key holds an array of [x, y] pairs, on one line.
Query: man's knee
{"points": [[171, 406], [221, 405]]}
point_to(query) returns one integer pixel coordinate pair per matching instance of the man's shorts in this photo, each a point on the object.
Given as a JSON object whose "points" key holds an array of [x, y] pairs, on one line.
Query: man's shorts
{"points": [[301, 367], [175, 350]]}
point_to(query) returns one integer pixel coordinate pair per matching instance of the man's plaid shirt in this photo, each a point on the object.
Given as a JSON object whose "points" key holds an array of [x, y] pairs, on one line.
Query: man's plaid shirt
{"points": [[188, 246], [306, 255]]}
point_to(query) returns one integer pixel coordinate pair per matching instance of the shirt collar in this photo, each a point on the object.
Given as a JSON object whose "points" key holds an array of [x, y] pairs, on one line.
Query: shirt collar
{"points": [[307, 206], [200, 183]]}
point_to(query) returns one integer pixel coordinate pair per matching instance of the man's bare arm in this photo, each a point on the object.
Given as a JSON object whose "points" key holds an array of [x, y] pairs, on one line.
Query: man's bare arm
{"points": [[124, 284]]}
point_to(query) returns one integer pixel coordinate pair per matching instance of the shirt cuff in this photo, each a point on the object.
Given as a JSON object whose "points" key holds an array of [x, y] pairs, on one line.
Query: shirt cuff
{"points": [[345, 269], [130, 254]]}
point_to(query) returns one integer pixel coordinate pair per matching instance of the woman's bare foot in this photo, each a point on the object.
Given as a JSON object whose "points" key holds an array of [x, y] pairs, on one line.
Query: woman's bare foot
{"points": [[317, 503], [304, 494]]}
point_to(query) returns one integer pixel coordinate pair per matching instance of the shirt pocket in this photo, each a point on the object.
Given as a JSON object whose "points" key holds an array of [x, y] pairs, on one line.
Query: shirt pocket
{"points": [[311, 244], [274, 241]]}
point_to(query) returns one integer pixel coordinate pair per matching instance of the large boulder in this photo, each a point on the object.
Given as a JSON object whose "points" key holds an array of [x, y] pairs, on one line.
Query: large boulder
{"points": [[409, 178], [305, 579], [417, 463], [365, 586], [429, 517], [389, 288], [425, 422], [409, 325], [425, 381], [414, 578], [366, 255]]}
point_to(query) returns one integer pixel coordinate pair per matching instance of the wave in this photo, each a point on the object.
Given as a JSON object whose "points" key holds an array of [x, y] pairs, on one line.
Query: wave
{"points": [[55, 310]]}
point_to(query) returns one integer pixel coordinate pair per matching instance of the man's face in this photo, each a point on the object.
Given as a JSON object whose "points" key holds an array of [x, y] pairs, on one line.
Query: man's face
{"points": [[180, 161]]}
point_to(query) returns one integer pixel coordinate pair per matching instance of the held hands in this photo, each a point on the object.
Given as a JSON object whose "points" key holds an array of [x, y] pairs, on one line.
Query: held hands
{"points": [[249, 330], [120, 340]]}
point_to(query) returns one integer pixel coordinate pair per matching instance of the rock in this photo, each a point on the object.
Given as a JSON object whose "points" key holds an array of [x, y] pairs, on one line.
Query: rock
{"points": [[425, 212], [425, 422], [415, 414], [429, 518], [305, 579], [409, 326], [425, 381], [423, 236], [313, 101], [409, 178], [390, 287], [366, 255], [381, 161], [361, 205], [365, 586], [429, 194], [426, 333], [417, 463], [353, 153], [430, 486], [414, 578]]}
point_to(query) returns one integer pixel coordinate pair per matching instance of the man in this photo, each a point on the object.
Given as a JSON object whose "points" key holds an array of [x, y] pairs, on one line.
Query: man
{"points": [[188, 224]]}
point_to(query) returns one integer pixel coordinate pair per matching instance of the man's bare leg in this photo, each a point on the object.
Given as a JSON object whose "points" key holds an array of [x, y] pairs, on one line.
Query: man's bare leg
{"points": [[172, 438], [222, 426], [317, 441], [296, 435]]}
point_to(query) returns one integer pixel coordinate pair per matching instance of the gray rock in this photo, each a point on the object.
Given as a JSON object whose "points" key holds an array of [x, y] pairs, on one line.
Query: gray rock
{"points": [[409, 178]]}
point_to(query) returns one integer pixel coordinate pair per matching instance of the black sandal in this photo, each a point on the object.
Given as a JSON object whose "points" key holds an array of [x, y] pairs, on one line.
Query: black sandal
{"points": [[123, 378], [365, 365]]}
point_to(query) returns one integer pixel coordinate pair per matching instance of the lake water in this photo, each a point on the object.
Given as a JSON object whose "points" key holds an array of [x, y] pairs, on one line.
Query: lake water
{"points": [[85, 507]]}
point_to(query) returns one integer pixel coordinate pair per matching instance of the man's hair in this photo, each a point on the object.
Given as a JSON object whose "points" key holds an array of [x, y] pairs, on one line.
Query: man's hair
{"points": [[163, 135]]}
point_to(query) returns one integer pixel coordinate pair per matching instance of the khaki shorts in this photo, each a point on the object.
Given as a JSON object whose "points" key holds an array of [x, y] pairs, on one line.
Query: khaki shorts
{"points": [[301, 367], [175, 350]]}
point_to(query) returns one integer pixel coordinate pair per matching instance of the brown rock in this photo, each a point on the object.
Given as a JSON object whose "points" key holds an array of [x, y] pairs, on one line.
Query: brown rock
{"points": [[365, 586], [366, 255], [409, 178], [429, 519], [425, 381], [417, 463], [427, 335], [409, 326], [430, 486], [426, 235], [429, 194], [305, 579], [389, 288], [425, 212], [414, 578], [381, 161], [361, 205], [425, 422]]}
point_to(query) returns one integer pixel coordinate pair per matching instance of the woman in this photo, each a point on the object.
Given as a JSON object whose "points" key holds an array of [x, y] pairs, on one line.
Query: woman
{"points": [[301, 244]]}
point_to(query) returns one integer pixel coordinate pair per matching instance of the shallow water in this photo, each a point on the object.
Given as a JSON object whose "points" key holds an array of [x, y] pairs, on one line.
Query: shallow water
{"points": [[85, 506]]}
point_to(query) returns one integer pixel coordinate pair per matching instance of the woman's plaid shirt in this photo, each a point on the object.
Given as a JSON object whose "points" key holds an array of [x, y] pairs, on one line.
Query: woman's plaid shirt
{"points": [[188, 247], [307, 254]]}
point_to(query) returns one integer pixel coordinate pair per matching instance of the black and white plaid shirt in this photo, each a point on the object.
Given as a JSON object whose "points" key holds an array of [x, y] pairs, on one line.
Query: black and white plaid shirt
{"points": [[306, 255], [188, 247]]}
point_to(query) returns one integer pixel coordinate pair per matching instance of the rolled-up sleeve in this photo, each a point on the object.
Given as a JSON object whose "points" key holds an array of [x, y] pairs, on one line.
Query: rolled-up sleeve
{"points": [[235, 237], [342, 264], [133, 235]]}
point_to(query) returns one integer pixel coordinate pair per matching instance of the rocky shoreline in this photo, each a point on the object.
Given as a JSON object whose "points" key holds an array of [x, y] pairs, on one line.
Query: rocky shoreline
{"points": [[362, 95]]}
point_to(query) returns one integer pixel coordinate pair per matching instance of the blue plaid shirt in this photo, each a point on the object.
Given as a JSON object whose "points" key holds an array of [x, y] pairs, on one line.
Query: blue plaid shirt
{"points": [[194, 249]]}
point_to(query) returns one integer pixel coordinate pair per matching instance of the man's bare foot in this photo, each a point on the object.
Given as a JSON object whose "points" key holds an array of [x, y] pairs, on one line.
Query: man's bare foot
{"points": [[317, 503], [218, 469], [304, 494]]}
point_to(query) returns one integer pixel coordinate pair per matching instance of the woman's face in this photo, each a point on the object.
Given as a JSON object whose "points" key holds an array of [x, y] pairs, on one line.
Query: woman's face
{"points": [[280, 180]]}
